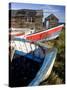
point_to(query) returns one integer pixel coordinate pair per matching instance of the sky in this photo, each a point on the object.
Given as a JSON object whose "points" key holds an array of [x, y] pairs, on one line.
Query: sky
{"points": [[57, 10]]}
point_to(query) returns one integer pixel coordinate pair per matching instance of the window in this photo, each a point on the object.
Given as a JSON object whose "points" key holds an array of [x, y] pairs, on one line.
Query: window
{"points": [[33, 19], [30, 19]]}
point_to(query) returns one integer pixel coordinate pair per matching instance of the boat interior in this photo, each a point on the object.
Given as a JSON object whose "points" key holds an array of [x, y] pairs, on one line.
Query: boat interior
{"points": [[23, 68]]}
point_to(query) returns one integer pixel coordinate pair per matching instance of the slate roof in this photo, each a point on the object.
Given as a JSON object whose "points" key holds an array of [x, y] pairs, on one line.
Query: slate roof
{"points": [[51, 16], [26, 12]]}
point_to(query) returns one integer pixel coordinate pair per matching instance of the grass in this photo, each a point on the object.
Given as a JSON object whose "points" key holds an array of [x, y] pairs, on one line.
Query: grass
{"points": [[58, 72]]}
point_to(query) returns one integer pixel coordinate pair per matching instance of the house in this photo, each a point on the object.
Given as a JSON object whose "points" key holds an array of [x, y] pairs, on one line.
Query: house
{"points": [[51, 21], [25, 18]]}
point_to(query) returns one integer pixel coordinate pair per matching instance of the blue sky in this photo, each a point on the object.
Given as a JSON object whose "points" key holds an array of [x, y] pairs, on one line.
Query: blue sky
{"points": [[58, 11]]}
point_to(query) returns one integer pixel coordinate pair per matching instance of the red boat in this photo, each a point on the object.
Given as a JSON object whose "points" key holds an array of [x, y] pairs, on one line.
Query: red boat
{"points": [[43, 35]]}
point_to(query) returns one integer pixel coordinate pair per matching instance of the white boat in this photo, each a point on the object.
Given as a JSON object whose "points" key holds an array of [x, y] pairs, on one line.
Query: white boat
{"points": [[40, 61]]}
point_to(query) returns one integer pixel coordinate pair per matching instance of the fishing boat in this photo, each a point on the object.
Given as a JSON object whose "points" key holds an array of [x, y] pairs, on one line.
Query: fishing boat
{"points": [[30, 63], [39, 36]]}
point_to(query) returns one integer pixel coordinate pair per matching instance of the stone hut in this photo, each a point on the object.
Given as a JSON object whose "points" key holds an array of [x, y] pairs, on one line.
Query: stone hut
{"points": [[25, 18]]}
